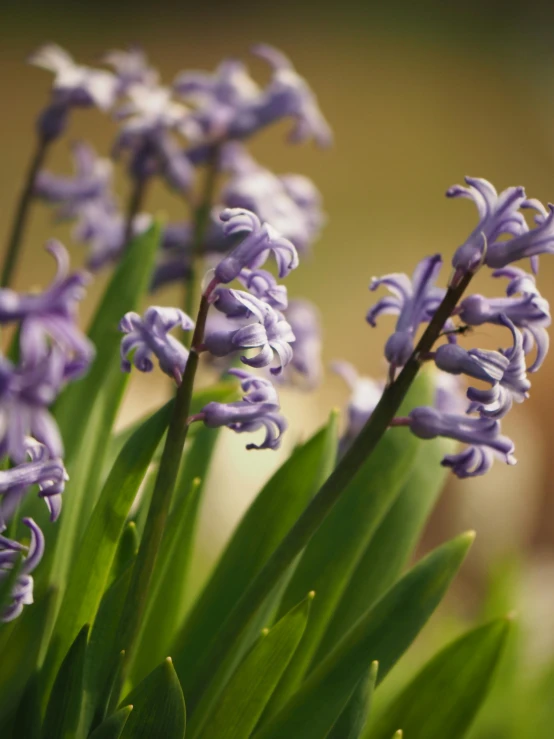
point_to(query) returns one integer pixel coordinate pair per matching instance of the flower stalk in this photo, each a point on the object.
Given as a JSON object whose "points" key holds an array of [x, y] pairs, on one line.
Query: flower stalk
{"points": [[328, 495], [22, 212], [160, 503]]}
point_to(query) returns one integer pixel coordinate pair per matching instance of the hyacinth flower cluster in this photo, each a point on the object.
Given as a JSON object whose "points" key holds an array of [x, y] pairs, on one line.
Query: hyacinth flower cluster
{"points": [[523, 314], [47, 351], [254, 323]]}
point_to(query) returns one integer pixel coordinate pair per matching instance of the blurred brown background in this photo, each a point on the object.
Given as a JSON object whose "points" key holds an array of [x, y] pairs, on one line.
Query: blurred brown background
{"points": [[418, 94]]}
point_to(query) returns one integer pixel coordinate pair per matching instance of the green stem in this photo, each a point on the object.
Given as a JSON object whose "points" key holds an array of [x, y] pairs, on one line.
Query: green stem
{"points": [[21, 213], [201, 223], [143, 568], [321, 505]]}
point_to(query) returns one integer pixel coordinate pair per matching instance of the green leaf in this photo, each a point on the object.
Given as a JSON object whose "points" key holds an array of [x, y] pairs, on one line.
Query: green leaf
{"points": [[91, 567], [64, 707], [27, 717], [392, 544], [158, 706], [444, 698], [112, 727], [20, 655], [86, 410], [248, 691], [101, 659], [353, 719], [7, 584], [262, 528], [125, 553], [383, 634], [334, 551]]}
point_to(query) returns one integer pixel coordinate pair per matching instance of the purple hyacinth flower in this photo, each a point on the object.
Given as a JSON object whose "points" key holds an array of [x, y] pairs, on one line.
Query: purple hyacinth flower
{"points": [[365, 394], [513, 386], [289, 95], [262, 285], [75, 85], [499, 215], [259, 408], [290, 203], [428, 423], [92, 180], [530, 312], [25, 394], [414, 301], [257, 242], [271, 333], [149, 336], [131, 68], [528, 243], [10, 551], [102, 226], [51, 316], [480, 364], [471, 462], [49, 474], [304, 320]]}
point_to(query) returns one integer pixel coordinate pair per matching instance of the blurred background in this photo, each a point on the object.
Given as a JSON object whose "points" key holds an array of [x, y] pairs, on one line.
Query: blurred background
{"points": [[419, 95]]}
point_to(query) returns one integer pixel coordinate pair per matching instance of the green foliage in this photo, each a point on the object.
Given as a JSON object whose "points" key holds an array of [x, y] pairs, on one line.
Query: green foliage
{"points": [[64, 706], [263, 526], [333, 553], [351, 722], [158, 706], [446, 695], [246, 694], [112, 727], [383, 634]]}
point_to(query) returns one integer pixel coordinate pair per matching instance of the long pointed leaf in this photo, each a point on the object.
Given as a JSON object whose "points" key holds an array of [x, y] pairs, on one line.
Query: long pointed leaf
{"points": [[112, 727], [64, 707], [247, 693], [444, 698], [383, 634], [264, 525], [99, 393], [91, 568], [158, 706], [333, 553], [392, 544], [354, 717]]}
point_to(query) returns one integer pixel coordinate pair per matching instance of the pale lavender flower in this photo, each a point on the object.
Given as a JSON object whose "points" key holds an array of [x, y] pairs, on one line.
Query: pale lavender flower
{"points": [[26, 392], [51, 316], [258, 409], [304, 320], [480, 364], [499, 216], [414, 301], [528, 243], [473, 461], [365, 394], [131, 67], [231, 106], [102, 227], [148, 120], [428, 423], [262, 284], [149, 336], [49, 474], [74, 86], [271, 333], [290, 203], [529, 311], [513, 386], [257, 242], [91, 181], [10, 552]]}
